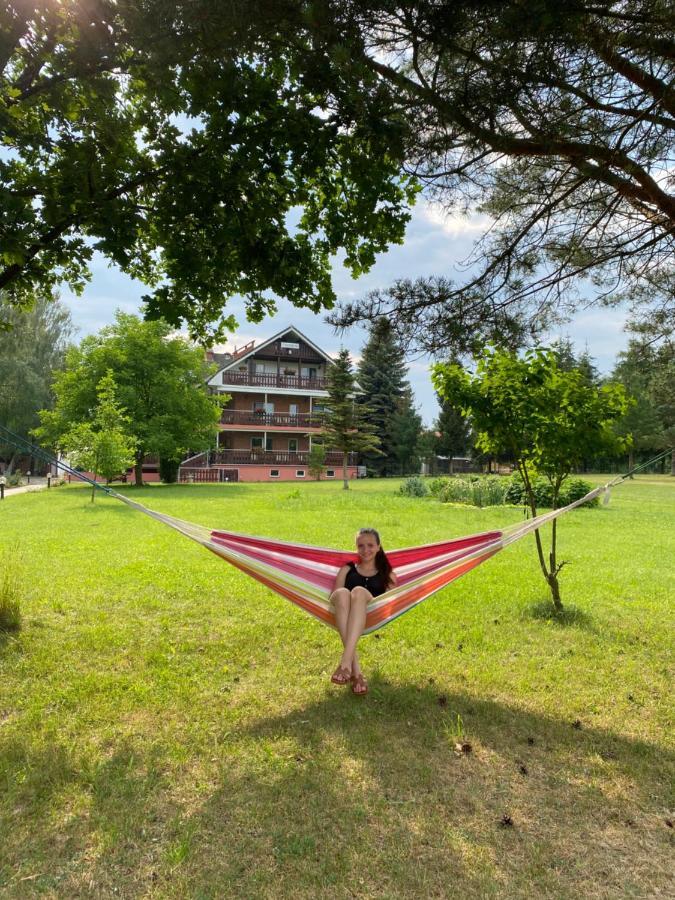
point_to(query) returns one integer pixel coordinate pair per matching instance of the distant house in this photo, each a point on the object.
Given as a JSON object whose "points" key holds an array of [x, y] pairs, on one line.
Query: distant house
{"points": [[278, 396]]}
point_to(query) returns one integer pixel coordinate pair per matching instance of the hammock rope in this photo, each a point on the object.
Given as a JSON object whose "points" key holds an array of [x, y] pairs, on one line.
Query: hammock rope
{"points": [[305, 574]]}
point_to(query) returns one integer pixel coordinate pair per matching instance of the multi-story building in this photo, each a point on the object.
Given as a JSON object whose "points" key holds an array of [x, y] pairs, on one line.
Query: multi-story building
{"points": [[277, 393]]}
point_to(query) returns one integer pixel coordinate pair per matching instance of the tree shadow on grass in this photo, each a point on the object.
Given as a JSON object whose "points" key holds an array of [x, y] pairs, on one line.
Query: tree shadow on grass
{"points": [[568, 616], [348, 797]]}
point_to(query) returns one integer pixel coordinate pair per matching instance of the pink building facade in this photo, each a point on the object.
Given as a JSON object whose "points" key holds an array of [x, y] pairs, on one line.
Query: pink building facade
{"points": [[277, 395]]}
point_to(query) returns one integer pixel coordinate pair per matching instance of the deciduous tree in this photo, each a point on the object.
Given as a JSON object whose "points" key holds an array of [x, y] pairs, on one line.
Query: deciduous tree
{"points": [[102, 445], [184, 142], [547, 418], [160, 383], [32, 347]]}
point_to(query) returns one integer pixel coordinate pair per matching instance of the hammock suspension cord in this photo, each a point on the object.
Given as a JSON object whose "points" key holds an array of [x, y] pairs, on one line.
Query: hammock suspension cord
{"points": [[305, 574]]}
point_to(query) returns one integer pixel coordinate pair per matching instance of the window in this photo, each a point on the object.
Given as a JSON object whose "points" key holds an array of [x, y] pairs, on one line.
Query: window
{"points": [[274, 473], [292, 445], [299, 473], [330, 473], [268, 443], [256, 443], [292, 409]]}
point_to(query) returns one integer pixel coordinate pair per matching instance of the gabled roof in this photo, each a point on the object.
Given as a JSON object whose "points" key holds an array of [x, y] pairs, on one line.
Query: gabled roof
{"points": [[239, 358]]}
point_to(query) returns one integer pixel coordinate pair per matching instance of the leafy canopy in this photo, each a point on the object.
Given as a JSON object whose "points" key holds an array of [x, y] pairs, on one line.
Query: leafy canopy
{"points": [[188, 147], [160, 385], [32, 349], [547, 418], [103, 445]]}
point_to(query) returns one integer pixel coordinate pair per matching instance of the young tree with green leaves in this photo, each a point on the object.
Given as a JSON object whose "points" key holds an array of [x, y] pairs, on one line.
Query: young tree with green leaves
{"points": [[160, 383], [346, 427], [32, 347], [103, 444], [547, 418]]}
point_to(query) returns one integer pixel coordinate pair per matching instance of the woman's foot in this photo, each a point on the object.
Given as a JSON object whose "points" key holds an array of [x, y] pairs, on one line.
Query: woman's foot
{"points": [[341, 676], [359, 684]]}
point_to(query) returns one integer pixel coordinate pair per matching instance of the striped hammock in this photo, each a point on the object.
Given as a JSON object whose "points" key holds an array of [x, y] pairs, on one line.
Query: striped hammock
{"points": [[305, 575]]}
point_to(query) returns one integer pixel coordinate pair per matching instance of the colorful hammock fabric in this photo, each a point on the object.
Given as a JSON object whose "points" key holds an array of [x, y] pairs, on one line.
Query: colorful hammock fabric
{"points": [[305, 575]]}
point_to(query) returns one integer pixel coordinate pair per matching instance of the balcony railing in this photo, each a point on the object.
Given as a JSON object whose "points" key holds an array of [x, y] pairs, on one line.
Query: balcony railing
{"points": [[294, 382], [263, 458], [284, 420]]}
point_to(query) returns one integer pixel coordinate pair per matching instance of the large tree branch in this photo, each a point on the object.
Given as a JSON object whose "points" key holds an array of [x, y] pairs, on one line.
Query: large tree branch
{"points": [[13, 272], [540, 145], [660, 90]]}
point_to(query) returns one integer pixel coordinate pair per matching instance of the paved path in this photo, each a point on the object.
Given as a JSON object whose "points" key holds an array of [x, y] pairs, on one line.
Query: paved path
{"points": [[36, 484]]}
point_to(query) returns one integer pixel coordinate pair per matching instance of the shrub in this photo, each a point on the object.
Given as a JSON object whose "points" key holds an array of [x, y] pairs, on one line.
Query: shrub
{"points": [[436, 485], [414, 487], [474, 492], [14, 480], [574, 489], [571, 490]]}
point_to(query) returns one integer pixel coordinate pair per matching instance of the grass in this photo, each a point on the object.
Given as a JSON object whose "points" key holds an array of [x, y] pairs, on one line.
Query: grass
{"points": [[168, 730]]}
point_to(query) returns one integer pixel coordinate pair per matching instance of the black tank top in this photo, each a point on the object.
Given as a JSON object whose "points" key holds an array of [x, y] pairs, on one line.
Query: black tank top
{"points": [[372, 583]]}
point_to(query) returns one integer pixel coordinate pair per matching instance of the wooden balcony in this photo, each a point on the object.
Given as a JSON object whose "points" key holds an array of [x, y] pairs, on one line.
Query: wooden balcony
{"points": [[259, 418], [262, 458], [285, 382]]}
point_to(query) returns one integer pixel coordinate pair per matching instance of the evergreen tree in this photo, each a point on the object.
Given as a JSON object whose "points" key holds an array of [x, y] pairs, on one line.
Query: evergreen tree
{"points": [[647, 374], [406, 427], [346, 428], [454, 431], [382, 384]]}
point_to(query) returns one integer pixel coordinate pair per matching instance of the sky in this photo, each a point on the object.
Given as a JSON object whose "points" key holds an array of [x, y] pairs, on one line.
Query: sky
{"points": [[435, 244]]}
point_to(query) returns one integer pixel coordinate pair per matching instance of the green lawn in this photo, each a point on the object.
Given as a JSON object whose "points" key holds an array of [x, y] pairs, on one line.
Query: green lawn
{"points": [[168, 729]]}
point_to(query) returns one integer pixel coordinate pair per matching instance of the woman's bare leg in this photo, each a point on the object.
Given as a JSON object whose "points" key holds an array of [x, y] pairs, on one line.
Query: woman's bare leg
{"points": [[342, 602], [356, 622]]}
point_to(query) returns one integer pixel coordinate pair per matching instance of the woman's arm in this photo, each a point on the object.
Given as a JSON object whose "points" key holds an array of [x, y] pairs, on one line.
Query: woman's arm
{"points": [[340, 578], [393, 581]]}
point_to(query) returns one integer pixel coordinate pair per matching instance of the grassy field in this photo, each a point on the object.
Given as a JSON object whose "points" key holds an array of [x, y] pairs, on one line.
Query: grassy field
{"points": [[168, 729]]}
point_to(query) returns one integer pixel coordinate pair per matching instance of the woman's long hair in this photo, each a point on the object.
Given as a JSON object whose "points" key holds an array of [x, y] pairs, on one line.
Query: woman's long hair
{"points": [[382, 564]]}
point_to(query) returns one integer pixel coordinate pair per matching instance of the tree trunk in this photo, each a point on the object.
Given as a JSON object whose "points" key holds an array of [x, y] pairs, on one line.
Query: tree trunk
{"points": [[138, 472], [12, 461], [345, 478], [631, 459], [555, 590]]}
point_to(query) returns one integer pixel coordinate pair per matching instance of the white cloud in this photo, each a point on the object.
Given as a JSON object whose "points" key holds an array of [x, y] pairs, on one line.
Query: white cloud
{"points": [[454, 223]]}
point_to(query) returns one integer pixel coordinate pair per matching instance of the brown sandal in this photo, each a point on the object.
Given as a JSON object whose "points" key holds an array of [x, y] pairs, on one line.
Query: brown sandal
{"points": [[359, 685], [341, 676]]}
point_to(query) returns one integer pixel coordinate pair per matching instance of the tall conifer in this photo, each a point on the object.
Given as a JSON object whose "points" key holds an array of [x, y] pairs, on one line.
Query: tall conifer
{"points": [[382, 385], [345, 427]]}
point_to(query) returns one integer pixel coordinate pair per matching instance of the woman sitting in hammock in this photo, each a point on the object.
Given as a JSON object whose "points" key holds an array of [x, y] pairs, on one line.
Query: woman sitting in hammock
{"points": [[356, 584]]}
